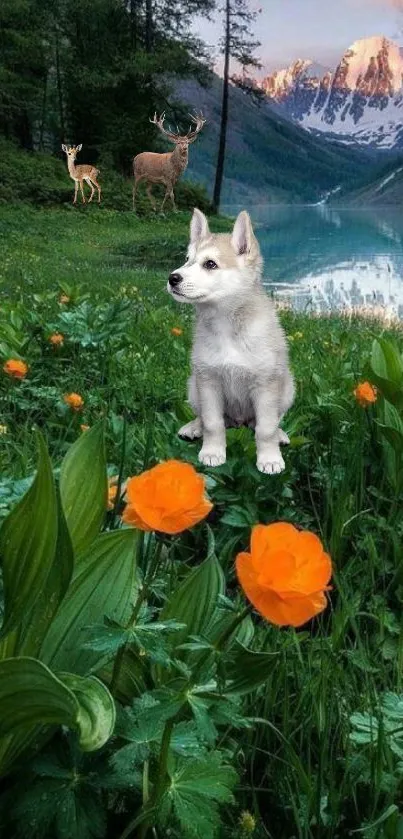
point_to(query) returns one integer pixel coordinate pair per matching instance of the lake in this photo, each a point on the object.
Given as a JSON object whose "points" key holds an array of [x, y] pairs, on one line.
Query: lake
{"points": [[322, 258]]}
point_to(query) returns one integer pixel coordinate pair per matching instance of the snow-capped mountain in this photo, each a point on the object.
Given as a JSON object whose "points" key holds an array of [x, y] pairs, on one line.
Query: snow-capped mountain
{"points": [[361, 101]]}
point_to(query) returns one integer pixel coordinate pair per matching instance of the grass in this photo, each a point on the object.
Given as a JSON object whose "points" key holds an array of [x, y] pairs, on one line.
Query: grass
{"points": [[309, 768]]}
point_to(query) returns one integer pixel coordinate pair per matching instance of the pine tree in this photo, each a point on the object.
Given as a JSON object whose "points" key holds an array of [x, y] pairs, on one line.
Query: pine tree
{"points": [[237, 43]]}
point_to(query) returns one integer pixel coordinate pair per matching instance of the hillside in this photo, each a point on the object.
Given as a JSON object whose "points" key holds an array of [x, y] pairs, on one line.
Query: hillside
{"points": [[383, 189], [269, 160]]}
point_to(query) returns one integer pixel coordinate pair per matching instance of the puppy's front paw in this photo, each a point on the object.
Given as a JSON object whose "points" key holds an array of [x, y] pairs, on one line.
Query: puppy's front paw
{"points": [[283, 438], [212, 457], [270, 462], [191, 430]]}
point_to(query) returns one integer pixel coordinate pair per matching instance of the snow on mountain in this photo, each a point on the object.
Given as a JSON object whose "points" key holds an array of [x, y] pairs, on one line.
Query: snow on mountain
{"points": [[361, 101]]}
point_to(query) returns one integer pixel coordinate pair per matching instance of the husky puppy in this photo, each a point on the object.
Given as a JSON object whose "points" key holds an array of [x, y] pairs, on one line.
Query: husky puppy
{"points": [[240, 373]]}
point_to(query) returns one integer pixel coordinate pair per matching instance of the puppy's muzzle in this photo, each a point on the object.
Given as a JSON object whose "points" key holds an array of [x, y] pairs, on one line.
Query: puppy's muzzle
{"points": [[175, 279]]}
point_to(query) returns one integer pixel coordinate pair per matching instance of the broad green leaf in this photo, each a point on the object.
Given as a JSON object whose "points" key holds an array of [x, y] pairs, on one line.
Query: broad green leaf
{"points": [[247, 670], [391, 425], [35, 628], [31, 695], [27, 544], [97, 713], [83, 487], [194, 603], [382, 818], [133, 677], [387, 368], [103, 585], [243, 633], [27, 638], [58, 808], [196, 789]]}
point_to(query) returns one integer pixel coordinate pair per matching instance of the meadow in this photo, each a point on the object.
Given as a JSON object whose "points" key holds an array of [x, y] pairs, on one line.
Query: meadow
{"points": [[184, 712]]}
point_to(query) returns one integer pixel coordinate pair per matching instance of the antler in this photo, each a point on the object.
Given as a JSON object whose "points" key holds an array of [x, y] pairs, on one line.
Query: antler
{"points": [[199, 120], [159, 122]]}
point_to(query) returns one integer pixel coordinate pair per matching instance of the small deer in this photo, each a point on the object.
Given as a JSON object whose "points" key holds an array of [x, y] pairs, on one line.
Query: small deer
{"points": [[84, 172], [165, 168]]}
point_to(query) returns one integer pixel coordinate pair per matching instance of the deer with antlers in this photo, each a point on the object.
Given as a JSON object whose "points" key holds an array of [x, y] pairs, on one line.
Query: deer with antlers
{"points": [[165, 168], [83, 172]]}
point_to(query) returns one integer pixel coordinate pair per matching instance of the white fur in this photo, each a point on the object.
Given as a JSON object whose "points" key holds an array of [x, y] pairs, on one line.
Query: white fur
{"points": [[240, 373]]}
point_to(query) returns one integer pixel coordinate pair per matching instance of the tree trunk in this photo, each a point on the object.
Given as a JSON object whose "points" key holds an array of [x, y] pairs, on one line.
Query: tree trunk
{"points": [[149, 26], [133, 24], [224, 113], [59, 88], [44, 111]]}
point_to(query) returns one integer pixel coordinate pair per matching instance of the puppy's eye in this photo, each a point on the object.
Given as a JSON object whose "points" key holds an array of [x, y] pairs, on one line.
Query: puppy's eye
{"points": [[209, 265]]}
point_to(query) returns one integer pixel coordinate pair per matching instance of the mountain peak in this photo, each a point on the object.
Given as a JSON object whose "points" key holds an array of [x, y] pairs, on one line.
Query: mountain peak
{"points": [[361, 100], [375, 66]]}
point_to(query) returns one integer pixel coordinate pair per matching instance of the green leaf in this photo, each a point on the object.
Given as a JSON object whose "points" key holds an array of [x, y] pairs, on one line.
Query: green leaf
{"points": [[382, 818], [247, 670], [27, 638], [27, 544], [387, 368], [31, 695], [194, 603], [102, 585], [60, 809], [97, 713], [197, 788], [391, 425], [84, 487], [238, 516]]}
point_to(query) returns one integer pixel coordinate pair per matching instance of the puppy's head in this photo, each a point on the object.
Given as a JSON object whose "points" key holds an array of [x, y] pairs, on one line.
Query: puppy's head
{"points": [[218, 265]]}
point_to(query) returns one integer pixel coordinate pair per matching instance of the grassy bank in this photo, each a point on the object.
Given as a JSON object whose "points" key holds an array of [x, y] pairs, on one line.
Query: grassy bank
{"points": [[308, 761]]}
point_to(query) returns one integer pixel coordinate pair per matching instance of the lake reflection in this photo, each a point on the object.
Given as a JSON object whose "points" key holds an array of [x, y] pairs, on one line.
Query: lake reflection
{"points": [[321, 258]]}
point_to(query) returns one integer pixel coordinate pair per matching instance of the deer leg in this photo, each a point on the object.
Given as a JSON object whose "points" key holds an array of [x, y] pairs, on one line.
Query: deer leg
{"points": [[75, 192], [98, 188], [173, 201], [167, 192], [151, 197], [134, 193], [82, 192], [89, 182]]}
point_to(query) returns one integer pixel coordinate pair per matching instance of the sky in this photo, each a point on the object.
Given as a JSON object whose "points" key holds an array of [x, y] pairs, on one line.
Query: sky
{"points": [[317, 29]]}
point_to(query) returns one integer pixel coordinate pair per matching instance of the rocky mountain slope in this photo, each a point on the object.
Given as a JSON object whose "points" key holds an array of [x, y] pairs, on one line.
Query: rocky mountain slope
{"points": [[384, 189], [360, 101], [269, 160]]}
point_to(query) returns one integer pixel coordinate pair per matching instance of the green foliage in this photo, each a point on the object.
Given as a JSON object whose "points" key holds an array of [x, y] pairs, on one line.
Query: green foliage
{"points": [[199, 693], [83, 488], [195, 789], [27, 545], [31, 696]]}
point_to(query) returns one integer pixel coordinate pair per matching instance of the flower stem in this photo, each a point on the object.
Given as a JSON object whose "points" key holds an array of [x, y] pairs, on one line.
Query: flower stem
{"points": [[142, 595]]}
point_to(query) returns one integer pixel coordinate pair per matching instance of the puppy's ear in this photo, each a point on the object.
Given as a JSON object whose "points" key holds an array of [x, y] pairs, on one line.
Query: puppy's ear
{"points": [[199, 228], [64, 148], [243, 237]]}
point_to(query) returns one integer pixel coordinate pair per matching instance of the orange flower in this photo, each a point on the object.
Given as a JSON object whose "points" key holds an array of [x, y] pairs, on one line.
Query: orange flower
{"points": [[365, 394], [74, 401], [64, 298], [169, 498], [15, 368], [84, 428], [57, 339], [286, 573], [176, 330], [112, 492]]}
